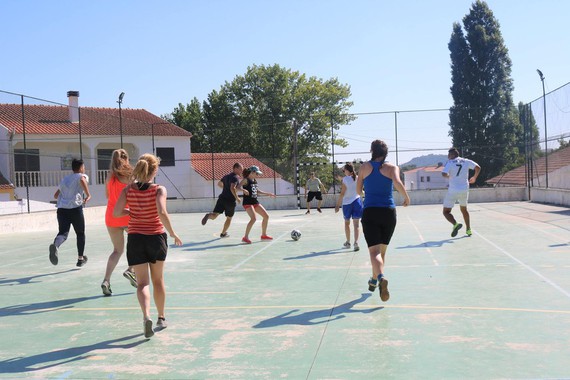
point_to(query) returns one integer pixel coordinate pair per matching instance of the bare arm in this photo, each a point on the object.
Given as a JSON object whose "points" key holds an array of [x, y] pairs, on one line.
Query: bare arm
{"points": [[265, 193], [400, 186], [340, 196], [163, 214], [220, 184], [85, 188], [56, 194], [364, 171], [477, 171]]}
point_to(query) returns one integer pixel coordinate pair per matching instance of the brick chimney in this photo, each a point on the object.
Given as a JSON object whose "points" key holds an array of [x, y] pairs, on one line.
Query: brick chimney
{"points": [[73, 106]]}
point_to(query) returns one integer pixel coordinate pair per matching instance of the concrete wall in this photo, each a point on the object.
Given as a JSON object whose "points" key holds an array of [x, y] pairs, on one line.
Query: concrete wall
{"points": [[559, 197]]}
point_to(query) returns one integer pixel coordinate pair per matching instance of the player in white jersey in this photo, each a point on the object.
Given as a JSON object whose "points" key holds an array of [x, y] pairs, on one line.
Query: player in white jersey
{"points": [[457, 170]]}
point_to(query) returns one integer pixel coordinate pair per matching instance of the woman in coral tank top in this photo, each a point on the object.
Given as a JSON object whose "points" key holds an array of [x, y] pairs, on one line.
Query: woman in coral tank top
{"points": [[120, 175]]}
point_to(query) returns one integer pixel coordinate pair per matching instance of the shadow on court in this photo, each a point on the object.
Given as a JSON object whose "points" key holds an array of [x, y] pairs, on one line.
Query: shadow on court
{"points": [[316, 254], [317, 317], [66, 355], [433, 243], [48, 306], [28, 280]]}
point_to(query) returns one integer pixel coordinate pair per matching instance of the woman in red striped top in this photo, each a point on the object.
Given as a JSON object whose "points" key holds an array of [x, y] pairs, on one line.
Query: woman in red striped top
{"points": [[146, 243]]}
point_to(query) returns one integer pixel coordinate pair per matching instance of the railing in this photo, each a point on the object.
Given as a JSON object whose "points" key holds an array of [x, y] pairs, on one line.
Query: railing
{"points": [[50, 178]]}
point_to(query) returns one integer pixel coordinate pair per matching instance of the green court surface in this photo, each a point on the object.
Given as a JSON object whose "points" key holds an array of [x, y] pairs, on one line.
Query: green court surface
{"points": [[492, 306]]}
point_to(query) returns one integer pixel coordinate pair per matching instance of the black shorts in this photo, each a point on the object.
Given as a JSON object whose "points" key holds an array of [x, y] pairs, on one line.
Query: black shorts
{"points": [[314, 194], [227, 206], [143, 249], [378, 224]]}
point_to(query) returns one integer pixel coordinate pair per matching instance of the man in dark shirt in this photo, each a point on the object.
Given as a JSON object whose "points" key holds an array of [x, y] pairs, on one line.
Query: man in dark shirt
{"points": [[227, 199]]}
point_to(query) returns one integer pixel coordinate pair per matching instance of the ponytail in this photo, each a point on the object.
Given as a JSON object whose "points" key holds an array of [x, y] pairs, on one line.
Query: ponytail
{"points": [[146, 168], [348, 166]]}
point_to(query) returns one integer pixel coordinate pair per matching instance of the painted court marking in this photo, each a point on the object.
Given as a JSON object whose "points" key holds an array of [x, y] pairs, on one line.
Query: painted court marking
{"points": [[428, 249]]}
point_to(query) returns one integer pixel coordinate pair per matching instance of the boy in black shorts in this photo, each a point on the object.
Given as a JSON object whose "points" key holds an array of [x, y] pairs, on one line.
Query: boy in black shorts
{"points": [[227, 199]]}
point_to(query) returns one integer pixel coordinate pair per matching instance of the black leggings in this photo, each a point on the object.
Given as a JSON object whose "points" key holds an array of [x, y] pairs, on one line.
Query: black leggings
{"points": [[66, 217]]}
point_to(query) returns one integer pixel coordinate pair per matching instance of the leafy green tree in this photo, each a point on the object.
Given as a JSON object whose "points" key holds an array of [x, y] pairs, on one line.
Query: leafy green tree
{"points": [[269, 111], [483, 120], [190, 118]]}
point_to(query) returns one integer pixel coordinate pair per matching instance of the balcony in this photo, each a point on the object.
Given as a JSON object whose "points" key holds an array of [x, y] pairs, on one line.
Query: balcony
{"points": [[52, 178]]}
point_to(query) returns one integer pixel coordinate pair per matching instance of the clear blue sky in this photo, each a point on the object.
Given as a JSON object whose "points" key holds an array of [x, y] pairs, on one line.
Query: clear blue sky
{"points": [[394, 55]]}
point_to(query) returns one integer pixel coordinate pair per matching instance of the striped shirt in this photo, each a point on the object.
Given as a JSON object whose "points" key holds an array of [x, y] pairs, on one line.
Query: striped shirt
{"points": [[144, 213]]}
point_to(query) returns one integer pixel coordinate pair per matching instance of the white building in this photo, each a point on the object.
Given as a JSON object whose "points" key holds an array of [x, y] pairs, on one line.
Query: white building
{"points": [[424, 178], [41, 140]]}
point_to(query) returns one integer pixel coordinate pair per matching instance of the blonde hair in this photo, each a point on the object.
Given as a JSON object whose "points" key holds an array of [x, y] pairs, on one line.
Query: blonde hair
{"points": [[146, 167], [120, 166]]}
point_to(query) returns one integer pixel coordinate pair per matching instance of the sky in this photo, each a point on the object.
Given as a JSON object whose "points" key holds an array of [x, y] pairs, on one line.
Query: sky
{"points": [[393, 55]]}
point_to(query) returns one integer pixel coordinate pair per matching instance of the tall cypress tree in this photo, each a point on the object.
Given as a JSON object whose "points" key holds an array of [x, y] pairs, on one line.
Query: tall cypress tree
{"points": [[483, 120]]}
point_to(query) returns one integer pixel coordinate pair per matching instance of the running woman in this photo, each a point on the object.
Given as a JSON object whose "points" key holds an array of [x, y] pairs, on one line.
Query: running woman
{"points": [[252, 205], [457, 170], [378, 178], [120, 175], [147, 242], [351, 205]]}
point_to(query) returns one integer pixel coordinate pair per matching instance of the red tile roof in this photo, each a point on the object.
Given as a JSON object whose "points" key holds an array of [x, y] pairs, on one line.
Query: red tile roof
{"points": [[425, 168], [516, 177], [48, 120], [224, 162]]}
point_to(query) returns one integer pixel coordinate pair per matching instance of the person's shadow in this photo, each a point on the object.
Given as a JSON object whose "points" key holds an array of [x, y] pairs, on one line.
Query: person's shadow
{"points": [[434, 243], [47, 306], [316, 317], [67, 355], [29, 279], [315, 254]]}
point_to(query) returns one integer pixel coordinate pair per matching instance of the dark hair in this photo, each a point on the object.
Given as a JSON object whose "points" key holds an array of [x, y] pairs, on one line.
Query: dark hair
{"points": [[246, 173], [348, 166], [453, 150], [237, 165], [379, 149], [76, 164]]}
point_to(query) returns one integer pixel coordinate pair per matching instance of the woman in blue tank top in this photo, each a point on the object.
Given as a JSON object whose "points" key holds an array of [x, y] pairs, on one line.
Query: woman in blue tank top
{"points": [[378, 178]]}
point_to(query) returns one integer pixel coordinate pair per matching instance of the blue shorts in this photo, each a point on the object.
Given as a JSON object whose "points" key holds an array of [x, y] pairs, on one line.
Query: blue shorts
{"points": [[353, 210]]}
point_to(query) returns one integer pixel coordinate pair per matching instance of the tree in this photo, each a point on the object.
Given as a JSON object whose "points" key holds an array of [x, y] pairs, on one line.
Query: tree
{"points": [[483, 120], [265, 110], [190, 118]]}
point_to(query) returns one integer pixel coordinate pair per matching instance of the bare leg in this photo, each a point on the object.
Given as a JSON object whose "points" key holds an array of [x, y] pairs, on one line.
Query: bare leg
{"points": [[377, 259], [261, 211], [252, 219], [226, 223], [143, 291], [356, 225], [448, 215], [117, 235], [158, 288], [347, 230], [465, 216]]}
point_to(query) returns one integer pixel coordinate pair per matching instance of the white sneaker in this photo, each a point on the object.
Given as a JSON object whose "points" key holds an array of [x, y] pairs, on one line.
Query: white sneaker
{"points": [[356, 247], [346, 245]]}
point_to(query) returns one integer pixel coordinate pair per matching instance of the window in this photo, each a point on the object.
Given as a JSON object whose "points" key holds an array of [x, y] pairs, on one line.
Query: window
{"points": [[166, 156], [427, 178], [33, 160], [421, 179], [104, 158]]}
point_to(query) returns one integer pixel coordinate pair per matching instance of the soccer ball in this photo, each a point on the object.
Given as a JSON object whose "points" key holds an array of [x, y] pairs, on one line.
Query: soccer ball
{"points": [[295, 235]]}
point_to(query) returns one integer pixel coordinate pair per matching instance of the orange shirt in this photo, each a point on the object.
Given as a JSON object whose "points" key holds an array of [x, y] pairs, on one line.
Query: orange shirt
{"points": [[114, 188], [143, 210]]}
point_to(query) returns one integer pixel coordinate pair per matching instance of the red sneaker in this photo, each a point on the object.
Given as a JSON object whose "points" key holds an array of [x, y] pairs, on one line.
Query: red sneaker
{"points": [[266, 237], [245, 240]]}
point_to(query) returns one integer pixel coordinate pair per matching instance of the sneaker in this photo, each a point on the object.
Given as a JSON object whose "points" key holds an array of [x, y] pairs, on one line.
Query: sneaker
{"points": [[383, 288], [131, 277], [308, 212], [81, 263], [356, 247], [372, 284], [266, 237], [224, 235], [106, 288], [468, 232], [53, 254], [147, 328], [161, 323], [456, 229], [346, 245], [205, 219], [245, 240], [319, 209]]}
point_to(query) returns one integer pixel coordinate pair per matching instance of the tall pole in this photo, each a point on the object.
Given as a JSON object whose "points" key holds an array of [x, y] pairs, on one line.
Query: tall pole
{"points": [[332, 149], [545, 129], [396, 134], [121, 118], [152, 136], [295, 163], [26, 173]]}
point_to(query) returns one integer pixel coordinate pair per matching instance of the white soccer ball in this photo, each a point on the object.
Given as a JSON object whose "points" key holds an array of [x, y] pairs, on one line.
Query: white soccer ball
{"points": [[295, 235]]}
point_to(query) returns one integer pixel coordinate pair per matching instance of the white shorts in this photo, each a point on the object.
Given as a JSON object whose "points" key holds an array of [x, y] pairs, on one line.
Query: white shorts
{"points": [[453, 196]]}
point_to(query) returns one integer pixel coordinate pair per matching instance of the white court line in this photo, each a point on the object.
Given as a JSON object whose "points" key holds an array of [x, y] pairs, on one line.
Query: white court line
{"points": [[261, 250], [423, 241], [528, 267]]}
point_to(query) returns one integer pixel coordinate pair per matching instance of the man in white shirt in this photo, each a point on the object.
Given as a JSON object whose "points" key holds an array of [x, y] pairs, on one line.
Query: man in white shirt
{"points": [[457, 170]]}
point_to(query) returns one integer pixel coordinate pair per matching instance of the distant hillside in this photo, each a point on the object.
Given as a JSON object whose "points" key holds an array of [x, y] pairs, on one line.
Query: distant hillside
{"points": [[428, 160]]}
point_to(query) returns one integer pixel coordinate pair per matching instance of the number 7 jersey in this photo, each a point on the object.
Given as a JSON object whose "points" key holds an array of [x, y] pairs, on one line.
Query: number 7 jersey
{"points": [[458, 170]]}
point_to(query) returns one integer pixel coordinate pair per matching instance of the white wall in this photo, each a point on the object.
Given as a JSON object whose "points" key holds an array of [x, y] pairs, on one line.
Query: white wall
{"points": [[437, 181]]}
